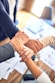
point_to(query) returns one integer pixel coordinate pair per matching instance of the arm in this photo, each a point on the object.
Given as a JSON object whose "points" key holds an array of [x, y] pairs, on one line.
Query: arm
{"points": [[8, 26], [6, 23], [35, 70], [10, 29], [36, 45], [6, 52], [37, 73], [25, 54], [7, 49], [48, 41]]}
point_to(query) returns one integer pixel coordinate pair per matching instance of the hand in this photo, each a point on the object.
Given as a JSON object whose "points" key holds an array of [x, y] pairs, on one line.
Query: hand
{"points": [[26, 53], [17, 44], [22, 36], [35, 45]]}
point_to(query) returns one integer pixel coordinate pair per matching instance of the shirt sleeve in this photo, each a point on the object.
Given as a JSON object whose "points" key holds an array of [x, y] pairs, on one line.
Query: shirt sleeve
{"points": [[6, 52], [43, 78]]}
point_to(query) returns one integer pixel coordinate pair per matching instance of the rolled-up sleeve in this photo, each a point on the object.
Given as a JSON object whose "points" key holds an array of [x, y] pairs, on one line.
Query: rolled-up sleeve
{"points": [[6, 52]]}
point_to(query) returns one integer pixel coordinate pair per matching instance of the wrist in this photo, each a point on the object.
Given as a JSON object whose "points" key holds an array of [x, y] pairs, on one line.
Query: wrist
{"points": [[11, 44], [23, 36], [27, 60]]}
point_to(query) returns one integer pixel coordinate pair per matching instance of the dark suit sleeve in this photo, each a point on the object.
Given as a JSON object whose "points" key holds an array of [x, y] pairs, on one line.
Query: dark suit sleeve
{"points": [[6, 5], [6, 52], [6, 22]]}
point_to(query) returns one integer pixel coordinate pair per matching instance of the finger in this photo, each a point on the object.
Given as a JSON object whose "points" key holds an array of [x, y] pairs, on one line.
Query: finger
{"points": [[32, 46], [38, 45], [21, 53], [24, 51], [28, 53], [25, 58], [16, 44]]}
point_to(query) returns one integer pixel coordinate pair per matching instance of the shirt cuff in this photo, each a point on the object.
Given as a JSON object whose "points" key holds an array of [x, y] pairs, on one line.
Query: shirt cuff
{"points": [[43, 78]]}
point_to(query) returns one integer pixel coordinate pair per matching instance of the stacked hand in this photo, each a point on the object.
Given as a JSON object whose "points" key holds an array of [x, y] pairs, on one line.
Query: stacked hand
{"points": [[35, 45], [24, 51], [16, 43], [22, 36]]}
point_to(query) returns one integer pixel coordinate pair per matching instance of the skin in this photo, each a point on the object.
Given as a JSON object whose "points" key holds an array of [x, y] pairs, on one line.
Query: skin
{"points": [[26, 53]]}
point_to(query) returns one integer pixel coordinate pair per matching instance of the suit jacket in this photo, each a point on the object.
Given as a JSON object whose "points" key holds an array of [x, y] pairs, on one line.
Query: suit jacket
{"points": [[6, 52], [6, 5], [7, 27]]}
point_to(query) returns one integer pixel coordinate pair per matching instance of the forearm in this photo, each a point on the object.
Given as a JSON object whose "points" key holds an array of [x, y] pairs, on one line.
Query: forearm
{"points": [[48, 40], [31, 65], [33, 68]]}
